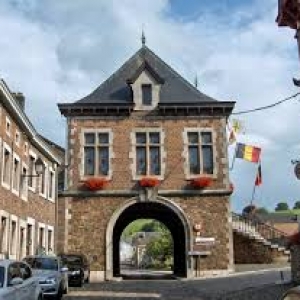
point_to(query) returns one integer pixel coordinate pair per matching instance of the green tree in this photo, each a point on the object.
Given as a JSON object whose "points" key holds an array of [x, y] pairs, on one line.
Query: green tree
{"points": [[281, 206], [262, 211], [297, 205]]}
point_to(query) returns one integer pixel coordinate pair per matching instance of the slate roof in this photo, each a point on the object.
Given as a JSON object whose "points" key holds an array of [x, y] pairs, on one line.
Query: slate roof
{"points": [[174, 89]]}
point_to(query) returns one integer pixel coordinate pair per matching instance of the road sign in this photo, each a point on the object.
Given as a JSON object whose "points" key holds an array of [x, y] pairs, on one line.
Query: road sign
{"points": [[297, 170]]}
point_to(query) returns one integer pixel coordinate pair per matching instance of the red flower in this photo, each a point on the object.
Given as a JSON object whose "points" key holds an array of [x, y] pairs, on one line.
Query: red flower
{"points": [[149, 182], [95, 184], [201, 182]]}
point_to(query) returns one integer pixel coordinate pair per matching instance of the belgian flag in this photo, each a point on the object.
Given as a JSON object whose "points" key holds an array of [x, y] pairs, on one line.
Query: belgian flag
{"points": [[249, 153]]}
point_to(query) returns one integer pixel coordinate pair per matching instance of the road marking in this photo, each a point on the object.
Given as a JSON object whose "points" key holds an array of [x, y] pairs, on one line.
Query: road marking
{"points": [[113, 294]]}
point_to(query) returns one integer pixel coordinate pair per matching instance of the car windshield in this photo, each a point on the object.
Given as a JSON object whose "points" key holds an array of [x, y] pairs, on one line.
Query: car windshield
{"points": [[2, 271], [42, 263], [71, 260]]}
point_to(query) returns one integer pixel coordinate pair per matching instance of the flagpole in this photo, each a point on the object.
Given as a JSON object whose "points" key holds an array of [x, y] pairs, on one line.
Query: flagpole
{"points": [[253, 193]]}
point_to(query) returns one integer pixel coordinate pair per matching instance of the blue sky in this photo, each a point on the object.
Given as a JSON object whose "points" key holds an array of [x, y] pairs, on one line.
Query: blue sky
{"points": [[59, 51]]}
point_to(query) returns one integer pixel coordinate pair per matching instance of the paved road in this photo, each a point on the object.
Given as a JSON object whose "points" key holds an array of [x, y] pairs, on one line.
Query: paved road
{"points": [[263, 285]]}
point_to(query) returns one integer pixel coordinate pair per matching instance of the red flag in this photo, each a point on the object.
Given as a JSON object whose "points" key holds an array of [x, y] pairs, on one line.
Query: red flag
{"points": [[258, 179]]}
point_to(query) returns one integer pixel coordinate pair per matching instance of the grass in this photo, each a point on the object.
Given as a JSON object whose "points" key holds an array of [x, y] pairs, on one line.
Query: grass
{"points": [[289, 211]]}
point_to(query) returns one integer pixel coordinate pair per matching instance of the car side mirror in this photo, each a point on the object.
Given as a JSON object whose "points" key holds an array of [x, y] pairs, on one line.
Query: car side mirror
{"points": [[16, 281], [64, 269]]}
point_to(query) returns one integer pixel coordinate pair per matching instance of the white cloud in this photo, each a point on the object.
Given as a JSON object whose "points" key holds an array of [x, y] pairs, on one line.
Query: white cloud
{"points": [[59, 51]]}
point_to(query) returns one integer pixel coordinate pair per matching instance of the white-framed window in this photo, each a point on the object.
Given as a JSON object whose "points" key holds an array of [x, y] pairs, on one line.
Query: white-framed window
{"points": [[50, 239], [30, 237], [43, 181], [6, 163], [51, 184], [148, 148], [97, 153], [25, 148], [8, 126], [200, 152], [4, 234], [13, 234], [17, 138], [24, 182], [146, 94], [16, 174], [31, 171], [22, 239], [41, 237]]}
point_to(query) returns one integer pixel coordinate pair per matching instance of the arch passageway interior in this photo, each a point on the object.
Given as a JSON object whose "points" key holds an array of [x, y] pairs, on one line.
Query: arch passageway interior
{"points": [[162, 213]]}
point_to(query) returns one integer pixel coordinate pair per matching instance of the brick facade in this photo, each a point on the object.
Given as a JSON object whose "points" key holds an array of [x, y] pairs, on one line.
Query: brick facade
{"points": [[87, 220], [27, 217]]}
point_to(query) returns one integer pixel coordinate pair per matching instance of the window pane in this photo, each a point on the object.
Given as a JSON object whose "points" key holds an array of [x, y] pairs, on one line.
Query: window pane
{"points": [[207, 159], [103, 160], [89, 138], [154, 161], [194, 160], [141, 138], [193, 137], [206, 137], [141, 160], [89, 161], [147, 94], [154, 137], [103, 138]]}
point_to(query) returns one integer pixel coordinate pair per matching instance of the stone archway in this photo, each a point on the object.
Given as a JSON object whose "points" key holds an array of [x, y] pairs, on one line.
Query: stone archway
{"points": [[163, 210]]}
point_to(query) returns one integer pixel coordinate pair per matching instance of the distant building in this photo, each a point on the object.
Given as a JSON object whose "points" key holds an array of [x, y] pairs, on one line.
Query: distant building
{"points": [[27, 201]]}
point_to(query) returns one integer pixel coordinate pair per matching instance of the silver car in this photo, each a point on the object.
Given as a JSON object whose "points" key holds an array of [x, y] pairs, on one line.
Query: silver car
{"points": [[17, 282], [51, 274]]}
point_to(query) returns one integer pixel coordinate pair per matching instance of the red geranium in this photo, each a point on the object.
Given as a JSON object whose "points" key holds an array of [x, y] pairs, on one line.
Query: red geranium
{"points": [[149, 182], [95, 184], [201, 182]]}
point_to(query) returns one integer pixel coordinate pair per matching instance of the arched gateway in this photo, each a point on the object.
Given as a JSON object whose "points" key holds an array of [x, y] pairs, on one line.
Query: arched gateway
{"points": [[162, 210], [147, 144]]}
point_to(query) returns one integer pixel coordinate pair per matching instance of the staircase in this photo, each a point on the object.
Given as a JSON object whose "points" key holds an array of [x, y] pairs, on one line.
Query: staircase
{"points": [[259, 232]]}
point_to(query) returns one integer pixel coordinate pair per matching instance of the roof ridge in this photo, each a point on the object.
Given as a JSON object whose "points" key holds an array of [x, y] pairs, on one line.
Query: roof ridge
{"points": [[181, 78]]}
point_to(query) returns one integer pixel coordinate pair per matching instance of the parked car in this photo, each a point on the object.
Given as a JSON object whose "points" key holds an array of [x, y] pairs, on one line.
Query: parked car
{"points": [[78, 268], [292, 294], [17, 282], [51, 274]]}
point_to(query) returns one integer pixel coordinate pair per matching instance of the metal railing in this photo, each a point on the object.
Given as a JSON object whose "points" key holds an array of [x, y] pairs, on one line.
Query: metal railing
{"points": [[253, 225]]}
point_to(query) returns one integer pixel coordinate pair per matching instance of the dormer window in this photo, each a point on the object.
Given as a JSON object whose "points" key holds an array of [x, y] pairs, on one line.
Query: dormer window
{"points": [[147, 94]]}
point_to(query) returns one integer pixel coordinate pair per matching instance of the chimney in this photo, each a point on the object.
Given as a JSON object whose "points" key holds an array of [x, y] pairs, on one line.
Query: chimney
{"points": [[20, 99]]}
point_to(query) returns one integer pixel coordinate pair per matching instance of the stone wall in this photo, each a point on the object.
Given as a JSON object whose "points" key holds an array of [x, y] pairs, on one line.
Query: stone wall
{"points": [[251, 251]]}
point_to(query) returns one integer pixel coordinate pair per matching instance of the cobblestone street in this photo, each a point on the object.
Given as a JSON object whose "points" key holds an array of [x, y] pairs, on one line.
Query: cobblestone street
{"points": [[266, 285]]}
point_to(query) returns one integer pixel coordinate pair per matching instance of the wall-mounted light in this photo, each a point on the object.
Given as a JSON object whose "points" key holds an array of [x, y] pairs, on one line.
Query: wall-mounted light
{"points": [[39, 168]]}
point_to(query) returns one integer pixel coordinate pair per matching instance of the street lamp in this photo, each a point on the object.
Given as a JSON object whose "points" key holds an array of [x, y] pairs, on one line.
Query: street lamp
{"points": [[39, 168]]}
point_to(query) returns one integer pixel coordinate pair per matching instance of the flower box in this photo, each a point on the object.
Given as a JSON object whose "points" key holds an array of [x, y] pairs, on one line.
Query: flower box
{"points": [[201, 182], [95, 183], [149, 182]]}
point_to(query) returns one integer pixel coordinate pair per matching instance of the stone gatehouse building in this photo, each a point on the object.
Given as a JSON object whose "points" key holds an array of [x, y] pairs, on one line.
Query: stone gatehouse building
{"points": [[27, 201], [146, 122]]}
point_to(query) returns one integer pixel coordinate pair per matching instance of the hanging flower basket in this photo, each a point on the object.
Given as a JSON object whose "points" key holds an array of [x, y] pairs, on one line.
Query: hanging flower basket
{"points": [[95, 184], [149, 182], [201, 182]]}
